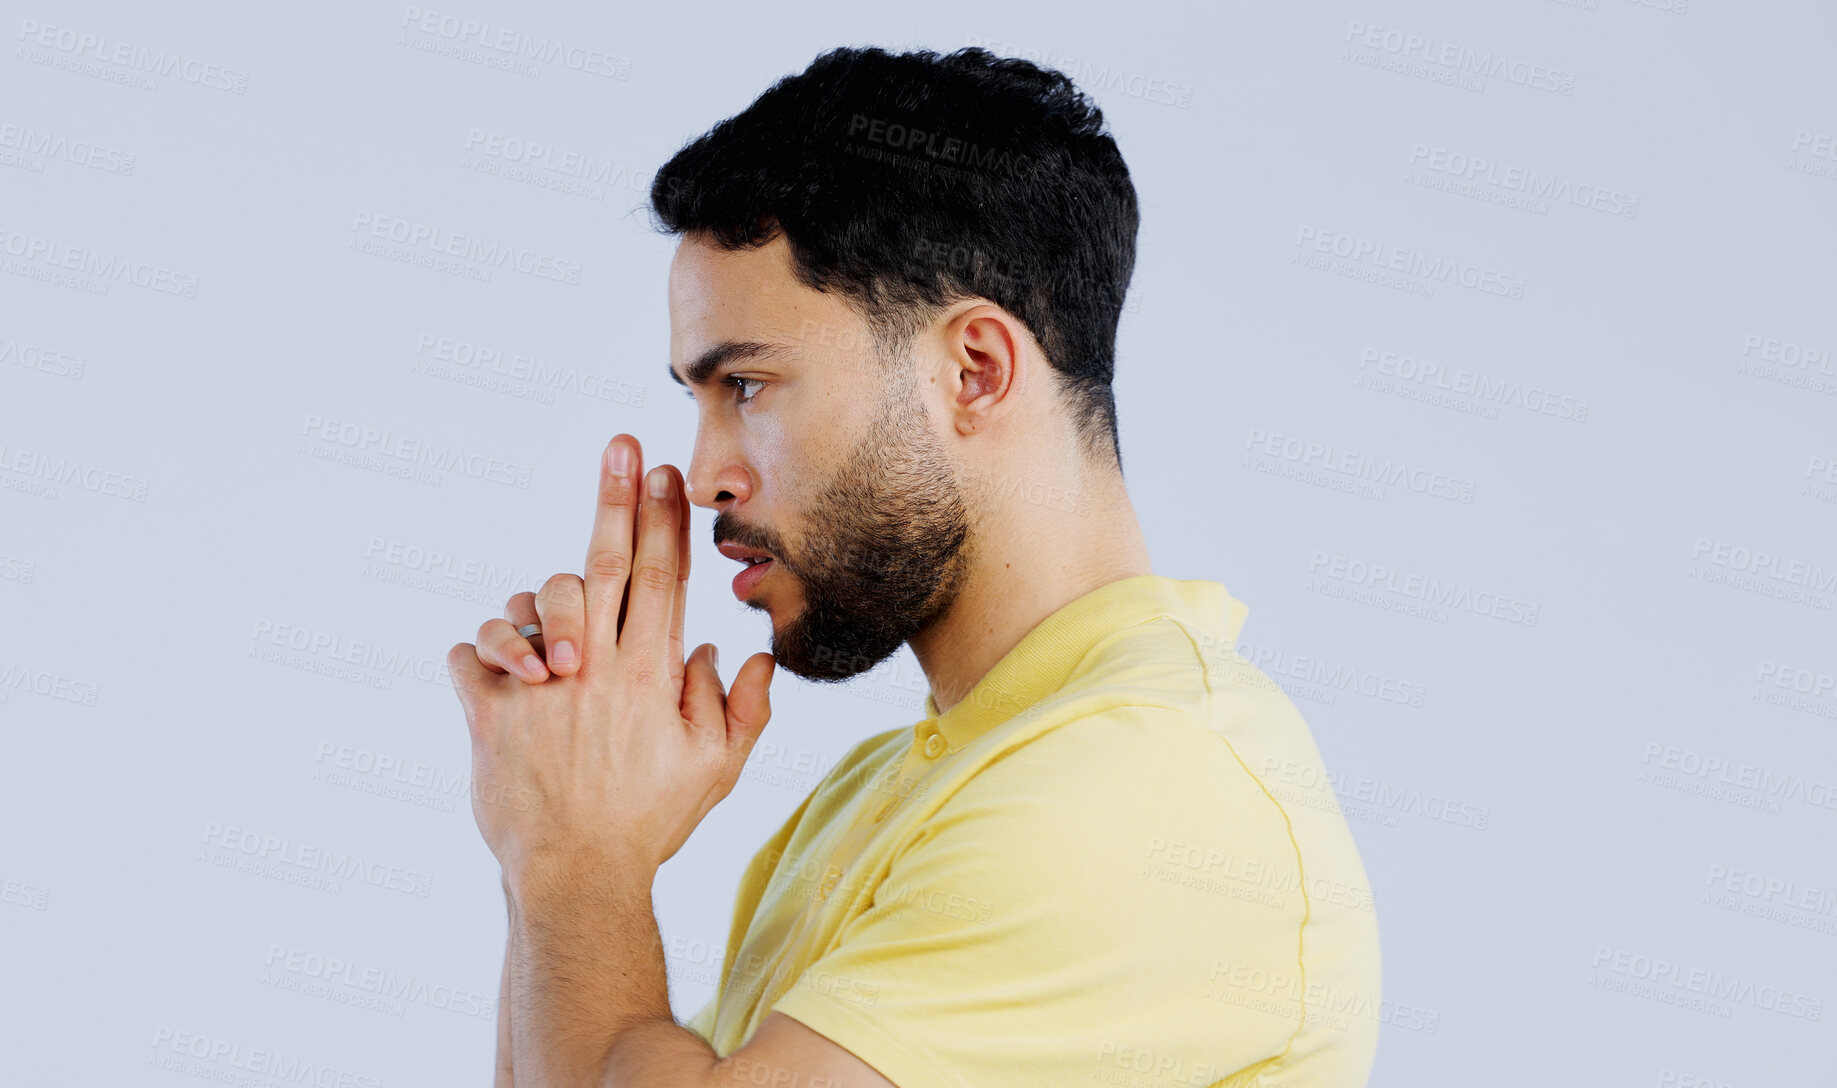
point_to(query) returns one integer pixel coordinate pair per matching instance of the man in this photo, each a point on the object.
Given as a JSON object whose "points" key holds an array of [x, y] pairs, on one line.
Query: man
{"points": [[1105, 854]]}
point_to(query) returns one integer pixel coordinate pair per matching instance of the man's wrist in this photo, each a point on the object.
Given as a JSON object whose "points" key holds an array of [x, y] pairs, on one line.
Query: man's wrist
{"points": [[548, 876], [589, 964]]}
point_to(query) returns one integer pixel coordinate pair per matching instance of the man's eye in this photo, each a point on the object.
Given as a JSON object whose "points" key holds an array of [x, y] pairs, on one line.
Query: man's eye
{"points": [[736, 382]]}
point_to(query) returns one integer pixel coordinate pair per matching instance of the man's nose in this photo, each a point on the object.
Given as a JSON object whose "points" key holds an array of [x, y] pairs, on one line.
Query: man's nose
{"points": [[716, 484]]}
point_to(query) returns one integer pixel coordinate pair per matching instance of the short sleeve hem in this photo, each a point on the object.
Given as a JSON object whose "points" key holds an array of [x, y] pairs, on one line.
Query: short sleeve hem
{"points": [[906, 1066]]}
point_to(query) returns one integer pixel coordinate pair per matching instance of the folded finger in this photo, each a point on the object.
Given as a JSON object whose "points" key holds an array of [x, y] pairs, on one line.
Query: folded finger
{"points": [[501, 649], [520, 609], [561, 605]]}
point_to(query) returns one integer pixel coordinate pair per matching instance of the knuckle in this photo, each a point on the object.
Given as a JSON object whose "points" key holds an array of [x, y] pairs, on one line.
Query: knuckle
{"points": [[655, 575], [618, 492], [563, 589], [608, 564], [456, 657], [519, 604], [495, 637]]}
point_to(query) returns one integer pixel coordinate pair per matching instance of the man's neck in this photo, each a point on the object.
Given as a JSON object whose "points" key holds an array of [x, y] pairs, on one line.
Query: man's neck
{"points": [[1029, 561]]}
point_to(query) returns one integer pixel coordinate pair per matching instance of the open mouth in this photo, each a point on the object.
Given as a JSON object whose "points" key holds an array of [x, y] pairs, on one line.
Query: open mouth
{"points": [[755, 564], [749, 556], [754, 572]]}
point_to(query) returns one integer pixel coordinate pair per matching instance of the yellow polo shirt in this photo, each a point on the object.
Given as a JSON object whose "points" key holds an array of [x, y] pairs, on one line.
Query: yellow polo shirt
{"points": [[1078, 874]]}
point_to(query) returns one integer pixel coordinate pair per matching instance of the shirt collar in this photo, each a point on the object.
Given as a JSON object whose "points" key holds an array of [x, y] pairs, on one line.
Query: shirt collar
{"points": [[1043, 659]]}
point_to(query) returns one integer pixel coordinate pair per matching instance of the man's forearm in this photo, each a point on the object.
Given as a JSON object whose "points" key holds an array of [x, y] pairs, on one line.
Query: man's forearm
{"points": [[592, 998]]}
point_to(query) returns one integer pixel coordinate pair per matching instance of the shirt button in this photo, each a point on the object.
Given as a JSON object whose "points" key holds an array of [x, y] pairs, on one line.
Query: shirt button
{"points": [[830, 880], [881, 812], [934, 746]]}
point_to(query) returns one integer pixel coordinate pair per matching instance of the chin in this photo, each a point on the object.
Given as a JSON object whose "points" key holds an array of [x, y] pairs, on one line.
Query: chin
{"points": [[763, 602]]}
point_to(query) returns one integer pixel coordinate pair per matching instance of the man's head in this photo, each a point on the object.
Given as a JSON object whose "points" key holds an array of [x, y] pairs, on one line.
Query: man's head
{"points": [[884, 258]]}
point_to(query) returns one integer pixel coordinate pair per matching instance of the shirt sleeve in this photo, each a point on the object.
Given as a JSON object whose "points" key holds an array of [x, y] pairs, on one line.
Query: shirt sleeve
{"points": [[702, 1023], [1077, 911]]}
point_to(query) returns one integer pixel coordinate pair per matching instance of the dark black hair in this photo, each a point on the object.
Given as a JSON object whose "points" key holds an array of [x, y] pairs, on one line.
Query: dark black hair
{"points": [[908, 181]]}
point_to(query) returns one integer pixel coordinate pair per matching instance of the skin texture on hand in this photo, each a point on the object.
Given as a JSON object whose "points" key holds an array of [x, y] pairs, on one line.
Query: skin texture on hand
{"points": [[625, 756], [588, 778]]}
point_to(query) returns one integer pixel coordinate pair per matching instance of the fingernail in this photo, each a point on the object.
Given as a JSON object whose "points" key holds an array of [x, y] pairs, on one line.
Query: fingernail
{"points": [[714, 655], [618, 459], [660, 483], [533, 666], [563, 653]]}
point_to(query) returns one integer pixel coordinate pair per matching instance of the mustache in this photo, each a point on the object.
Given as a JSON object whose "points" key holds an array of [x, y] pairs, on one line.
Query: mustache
{"points": [[727, 527]]}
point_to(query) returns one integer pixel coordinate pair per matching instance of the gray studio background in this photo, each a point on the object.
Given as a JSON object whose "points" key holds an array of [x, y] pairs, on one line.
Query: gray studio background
{"points": [[1486, 351]]}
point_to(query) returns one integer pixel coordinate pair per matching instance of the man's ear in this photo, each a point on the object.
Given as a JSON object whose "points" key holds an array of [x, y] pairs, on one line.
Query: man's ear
{"points": [[987, 346]]}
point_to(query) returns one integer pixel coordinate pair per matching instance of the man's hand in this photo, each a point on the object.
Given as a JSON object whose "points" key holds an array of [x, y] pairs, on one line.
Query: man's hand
{"points": [[623, 749], [621, 753]]}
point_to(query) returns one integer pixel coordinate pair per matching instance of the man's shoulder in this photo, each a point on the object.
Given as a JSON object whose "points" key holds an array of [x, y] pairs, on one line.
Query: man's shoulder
{"points": [[1140, 763], [1177, 663], [1165, 731]]}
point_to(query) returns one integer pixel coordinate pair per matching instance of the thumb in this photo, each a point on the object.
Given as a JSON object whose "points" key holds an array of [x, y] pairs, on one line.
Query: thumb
{"points": [[749, 701], [701, 693]]}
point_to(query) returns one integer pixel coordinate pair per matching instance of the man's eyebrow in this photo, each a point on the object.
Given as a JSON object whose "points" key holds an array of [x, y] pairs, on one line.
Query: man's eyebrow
{"points": [[725, 352]]}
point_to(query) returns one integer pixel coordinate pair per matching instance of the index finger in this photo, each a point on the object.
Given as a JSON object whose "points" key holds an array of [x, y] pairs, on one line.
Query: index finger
{"points": [[609, 546], [682, 575]]}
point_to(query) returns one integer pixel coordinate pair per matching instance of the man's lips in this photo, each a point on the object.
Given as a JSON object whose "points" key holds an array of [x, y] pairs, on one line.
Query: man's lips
{"points": [[734, 551], [758, 563]]}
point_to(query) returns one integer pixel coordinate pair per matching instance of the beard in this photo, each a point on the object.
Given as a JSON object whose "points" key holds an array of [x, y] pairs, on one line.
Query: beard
{"points": [[885, 552]]}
